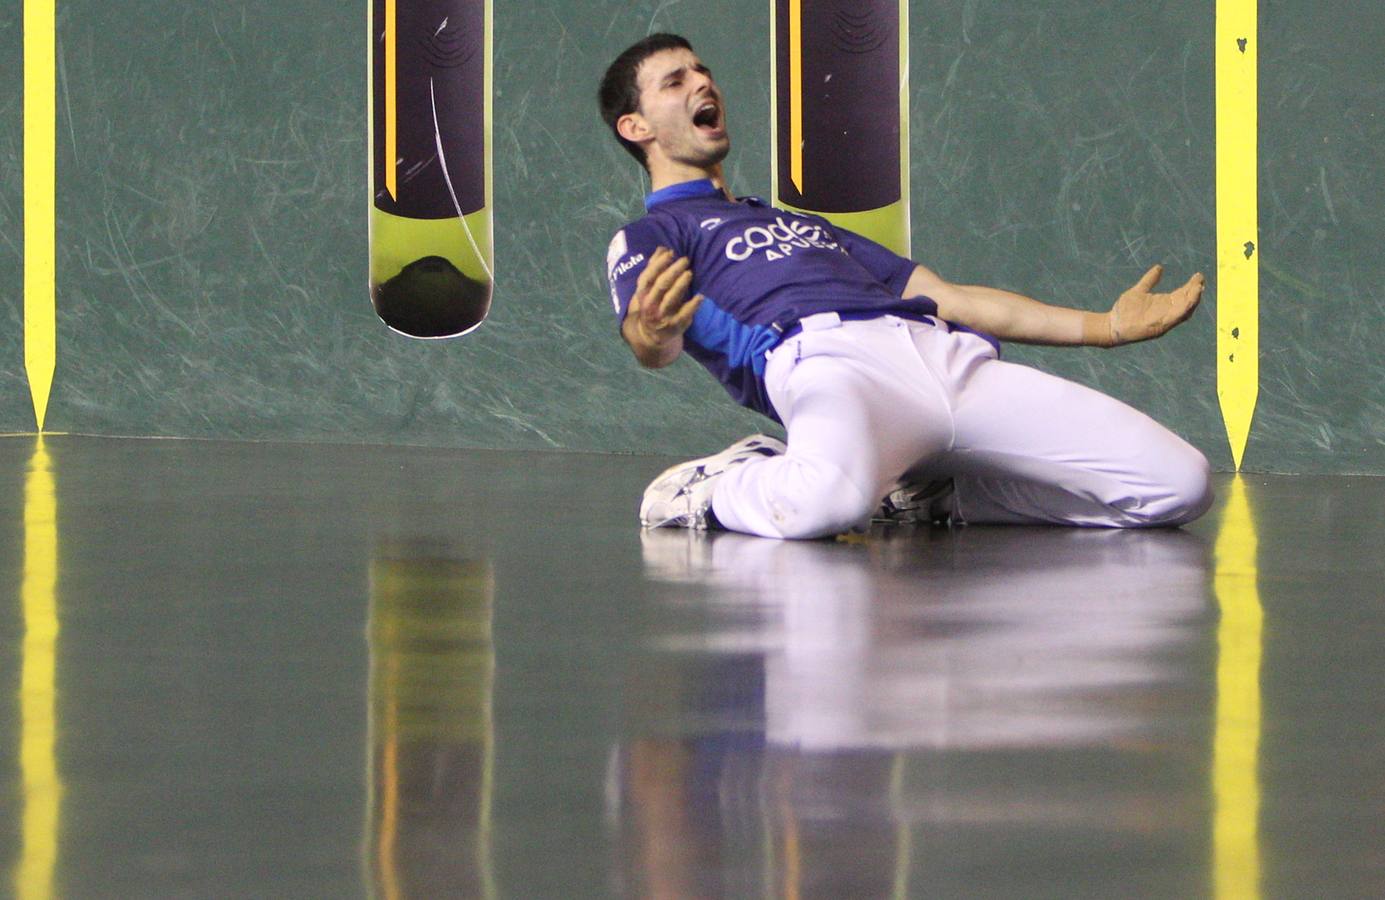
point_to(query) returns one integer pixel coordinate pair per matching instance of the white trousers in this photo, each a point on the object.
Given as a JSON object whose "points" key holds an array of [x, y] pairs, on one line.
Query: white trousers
{"points": [[867, 402]]}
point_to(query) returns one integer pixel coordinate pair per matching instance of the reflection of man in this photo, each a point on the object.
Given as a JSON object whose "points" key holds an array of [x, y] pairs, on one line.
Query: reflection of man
{"points": [[1053, 639], [874, 364], [835, 708]]}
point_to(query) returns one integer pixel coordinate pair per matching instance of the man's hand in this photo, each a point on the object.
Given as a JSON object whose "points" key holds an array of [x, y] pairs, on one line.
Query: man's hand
{"points": [[660, 311], [1140, 314]]}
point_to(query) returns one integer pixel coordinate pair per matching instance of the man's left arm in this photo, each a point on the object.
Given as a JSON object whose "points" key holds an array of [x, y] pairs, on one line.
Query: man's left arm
{"points": [[1137, 315]]}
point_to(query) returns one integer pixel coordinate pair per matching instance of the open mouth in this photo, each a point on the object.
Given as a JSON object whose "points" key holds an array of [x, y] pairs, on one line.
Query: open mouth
{"points": [[707, 117]]}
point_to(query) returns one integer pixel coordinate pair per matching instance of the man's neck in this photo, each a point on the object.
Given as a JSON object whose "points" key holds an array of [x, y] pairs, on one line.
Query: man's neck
{"points": [[662, 176]]}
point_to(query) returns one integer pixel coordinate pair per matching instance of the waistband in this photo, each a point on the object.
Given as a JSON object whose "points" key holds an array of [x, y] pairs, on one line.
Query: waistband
{"points": [[823, 321]]}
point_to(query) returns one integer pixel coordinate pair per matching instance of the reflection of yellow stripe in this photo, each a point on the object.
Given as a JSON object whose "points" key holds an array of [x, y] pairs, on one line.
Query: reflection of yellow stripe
{"points": [[431, 691], [392, 99], [904, 837], [40, 186], [796, 93], [767, 849], [485, 857], [388, 848], [1238, 274], [1236, 747], [793, 852], [33, 878]]}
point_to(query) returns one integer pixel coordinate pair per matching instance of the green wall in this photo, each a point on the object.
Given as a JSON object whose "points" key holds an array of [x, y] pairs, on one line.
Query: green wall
{"points": [[16, 411], [212, 218], [1322, 192]]}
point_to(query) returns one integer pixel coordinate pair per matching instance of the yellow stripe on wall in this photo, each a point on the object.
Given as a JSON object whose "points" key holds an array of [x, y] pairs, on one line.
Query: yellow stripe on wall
{"points": [[38, 731], [796, 93], [900, 238], [1236, 746], [1238, 238], [392, 98], [40, 201]]}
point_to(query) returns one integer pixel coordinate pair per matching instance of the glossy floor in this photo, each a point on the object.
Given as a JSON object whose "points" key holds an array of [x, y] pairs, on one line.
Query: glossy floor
{"points": [[304, 671]]}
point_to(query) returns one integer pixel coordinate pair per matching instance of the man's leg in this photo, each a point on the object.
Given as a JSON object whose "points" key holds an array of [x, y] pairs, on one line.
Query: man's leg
{"points": [[1034, 448], [860, 408]]}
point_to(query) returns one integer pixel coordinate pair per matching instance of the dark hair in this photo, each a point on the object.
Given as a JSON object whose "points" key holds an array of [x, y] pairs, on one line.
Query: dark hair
{"points": [[620, 91]]}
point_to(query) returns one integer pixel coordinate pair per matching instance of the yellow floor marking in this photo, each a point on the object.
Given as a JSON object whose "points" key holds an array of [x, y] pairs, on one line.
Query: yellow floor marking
{"points": [[1236, 746], [1238, 238], [40, 201]]}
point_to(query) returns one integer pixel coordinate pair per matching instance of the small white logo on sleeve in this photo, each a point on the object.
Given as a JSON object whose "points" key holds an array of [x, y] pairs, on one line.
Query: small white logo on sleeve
{"points": [[620, 270], [626, 265], [618, 248], [616, 267], [709, 224]]}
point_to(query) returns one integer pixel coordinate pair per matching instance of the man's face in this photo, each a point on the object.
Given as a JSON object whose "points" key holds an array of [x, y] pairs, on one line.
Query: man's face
{"points": [[683, 109]]}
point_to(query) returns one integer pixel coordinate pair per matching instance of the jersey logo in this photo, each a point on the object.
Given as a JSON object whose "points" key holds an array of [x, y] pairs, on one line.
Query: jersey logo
{"points": [[779, 239], [709, 224]]}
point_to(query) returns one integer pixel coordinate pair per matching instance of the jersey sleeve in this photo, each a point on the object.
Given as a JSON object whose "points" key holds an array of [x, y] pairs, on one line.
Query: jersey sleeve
{"points": [[629, 253], [888, 267]]}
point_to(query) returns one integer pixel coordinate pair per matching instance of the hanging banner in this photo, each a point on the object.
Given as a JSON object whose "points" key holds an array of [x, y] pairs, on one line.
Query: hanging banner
{"points": [[431, 262], [841, 114]]}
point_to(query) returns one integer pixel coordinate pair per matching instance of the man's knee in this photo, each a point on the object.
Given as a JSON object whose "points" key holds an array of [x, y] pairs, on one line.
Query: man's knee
{"points": [[1185, 492], [1194, 491], [822, 501]]}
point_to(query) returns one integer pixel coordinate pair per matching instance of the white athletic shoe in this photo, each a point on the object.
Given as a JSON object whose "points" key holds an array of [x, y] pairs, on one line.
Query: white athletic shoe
{"points": [[682, 494], [912, 502]]}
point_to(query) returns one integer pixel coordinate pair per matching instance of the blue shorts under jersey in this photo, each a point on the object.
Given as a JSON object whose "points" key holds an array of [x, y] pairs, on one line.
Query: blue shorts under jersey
{"points": [[760, 270]]}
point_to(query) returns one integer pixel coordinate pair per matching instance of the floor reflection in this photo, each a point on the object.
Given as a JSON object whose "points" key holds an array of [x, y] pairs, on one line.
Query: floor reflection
{"points": [[824, 706], [41, 781], [1236, 750], [432, 736]]}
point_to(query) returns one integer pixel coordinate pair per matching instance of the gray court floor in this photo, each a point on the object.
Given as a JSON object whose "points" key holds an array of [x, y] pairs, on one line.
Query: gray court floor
{"points": [[264, 670]]}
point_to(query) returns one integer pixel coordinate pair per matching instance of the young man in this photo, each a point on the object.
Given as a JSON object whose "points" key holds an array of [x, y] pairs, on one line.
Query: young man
{"points": [[878, 368]]}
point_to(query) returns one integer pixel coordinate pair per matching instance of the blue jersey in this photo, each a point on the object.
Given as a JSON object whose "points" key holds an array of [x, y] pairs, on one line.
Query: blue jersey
{"points": [[760, 270]]}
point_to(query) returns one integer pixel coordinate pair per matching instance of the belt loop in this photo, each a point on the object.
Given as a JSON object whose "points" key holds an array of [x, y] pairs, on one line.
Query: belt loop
{"points": [[820, 321]]}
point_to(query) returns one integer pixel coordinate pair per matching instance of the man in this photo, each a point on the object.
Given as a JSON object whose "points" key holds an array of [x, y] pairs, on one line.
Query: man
{"points": [[878, 368]]}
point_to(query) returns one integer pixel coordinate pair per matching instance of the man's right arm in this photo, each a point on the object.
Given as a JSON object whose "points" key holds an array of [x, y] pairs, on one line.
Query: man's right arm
{"points": [[648, 354], [658, 310]]}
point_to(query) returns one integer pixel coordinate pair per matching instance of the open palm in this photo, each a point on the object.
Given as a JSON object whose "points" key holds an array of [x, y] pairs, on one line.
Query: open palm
{"points": [[1141, 314]]}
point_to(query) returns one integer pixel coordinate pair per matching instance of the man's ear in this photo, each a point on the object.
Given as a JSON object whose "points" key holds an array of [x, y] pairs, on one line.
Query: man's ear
{"points": [[633, 127]]}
